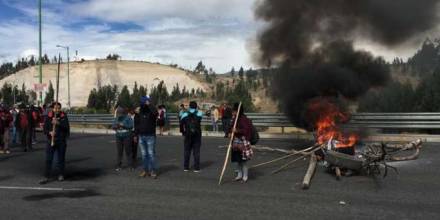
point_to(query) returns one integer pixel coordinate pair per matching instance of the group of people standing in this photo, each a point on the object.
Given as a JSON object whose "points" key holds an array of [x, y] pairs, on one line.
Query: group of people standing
{"points": [[132, 131], [139, 130], [18, 125], [221, 114]]}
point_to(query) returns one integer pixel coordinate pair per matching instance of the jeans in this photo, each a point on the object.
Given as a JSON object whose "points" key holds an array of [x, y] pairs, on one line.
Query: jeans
{"points": [[148, 150], [14, 134], [214, 125], [59, 149], [192, 144]]}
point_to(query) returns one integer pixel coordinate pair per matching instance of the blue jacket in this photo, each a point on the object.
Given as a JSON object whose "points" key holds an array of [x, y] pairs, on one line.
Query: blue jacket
{"points": [[191, 110], [123, 126]]}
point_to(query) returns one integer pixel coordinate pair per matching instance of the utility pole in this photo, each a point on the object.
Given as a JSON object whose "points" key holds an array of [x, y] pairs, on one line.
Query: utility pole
{"points": [[40, 60]]}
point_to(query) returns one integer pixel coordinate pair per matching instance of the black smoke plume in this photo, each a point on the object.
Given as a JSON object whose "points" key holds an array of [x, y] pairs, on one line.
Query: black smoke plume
{"points": [[310, 44]]}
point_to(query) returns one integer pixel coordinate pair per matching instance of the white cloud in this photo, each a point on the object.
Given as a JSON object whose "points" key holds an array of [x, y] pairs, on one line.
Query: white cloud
{"points": [[141, 10], [179, 32], [172, 31]]}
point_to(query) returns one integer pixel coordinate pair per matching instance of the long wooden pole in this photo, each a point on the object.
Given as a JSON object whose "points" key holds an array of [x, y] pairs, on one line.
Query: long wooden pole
{"points": [[225, 164], [52, 143], [310, 172]]}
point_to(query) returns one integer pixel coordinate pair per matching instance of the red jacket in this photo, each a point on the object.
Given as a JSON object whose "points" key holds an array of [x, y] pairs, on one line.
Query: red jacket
{"points": [[6, 120], [244, 127]]}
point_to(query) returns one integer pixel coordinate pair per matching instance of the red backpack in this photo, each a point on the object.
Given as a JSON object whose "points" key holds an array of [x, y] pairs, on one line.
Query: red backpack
{"points": [[24, 123]]}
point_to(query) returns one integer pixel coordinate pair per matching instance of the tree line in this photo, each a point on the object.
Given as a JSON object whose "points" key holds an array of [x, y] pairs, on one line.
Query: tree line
{"points": [[404, 97], [104, 98]]}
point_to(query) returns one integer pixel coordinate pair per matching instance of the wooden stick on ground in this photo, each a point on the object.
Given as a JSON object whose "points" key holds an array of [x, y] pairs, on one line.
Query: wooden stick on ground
{"points": [[284, 157], [228, 152], [288, 164], [310, 172], [338, 173]]}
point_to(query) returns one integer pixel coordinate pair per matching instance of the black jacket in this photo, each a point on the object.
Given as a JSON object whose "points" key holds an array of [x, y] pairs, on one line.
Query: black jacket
{"points": [[145, 121], [62, 130]]}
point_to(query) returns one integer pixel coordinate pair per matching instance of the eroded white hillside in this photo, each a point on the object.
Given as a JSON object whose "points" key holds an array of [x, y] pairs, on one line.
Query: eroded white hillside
{"points": [[90, 74]]}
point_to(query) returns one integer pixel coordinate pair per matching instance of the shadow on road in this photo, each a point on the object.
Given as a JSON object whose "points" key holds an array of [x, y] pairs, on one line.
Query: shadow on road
{"points": [[3, 178], [70, 195], [10, 156], [77, 174], [78, 160], [206, 164], [167, 168]]}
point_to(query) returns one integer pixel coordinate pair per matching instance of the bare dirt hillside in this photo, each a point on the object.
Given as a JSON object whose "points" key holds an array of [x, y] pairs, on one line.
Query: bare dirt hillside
{"points": [[84, 76]]}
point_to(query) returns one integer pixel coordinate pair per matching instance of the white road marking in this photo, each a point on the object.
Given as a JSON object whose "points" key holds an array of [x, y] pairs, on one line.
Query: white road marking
{"points": [[41, 188]]}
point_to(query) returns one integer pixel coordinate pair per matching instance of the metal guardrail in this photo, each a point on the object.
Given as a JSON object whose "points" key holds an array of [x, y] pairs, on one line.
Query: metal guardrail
{"points": [[368, 120]]}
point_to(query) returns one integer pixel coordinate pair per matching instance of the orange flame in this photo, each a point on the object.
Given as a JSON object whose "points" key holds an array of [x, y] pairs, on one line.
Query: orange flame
{"points": [[327, 118]]}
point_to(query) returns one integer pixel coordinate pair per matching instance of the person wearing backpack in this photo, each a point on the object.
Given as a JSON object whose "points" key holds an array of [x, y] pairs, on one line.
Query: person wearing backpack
{"points": [[145, 131], [241, 147], [24, 125], [123, 124], [192, 136]]}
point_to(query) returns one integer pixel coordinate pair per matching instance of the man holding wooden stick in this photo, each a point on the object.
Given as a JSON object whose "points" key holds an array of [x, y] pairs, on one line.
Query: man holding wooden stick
{"points": [[56, 140]]}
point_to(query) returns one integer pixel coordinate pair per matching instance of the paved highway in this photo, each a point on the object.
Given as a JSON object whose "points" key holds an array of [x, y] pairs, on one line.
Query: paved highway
{"points": [[98, 192]]}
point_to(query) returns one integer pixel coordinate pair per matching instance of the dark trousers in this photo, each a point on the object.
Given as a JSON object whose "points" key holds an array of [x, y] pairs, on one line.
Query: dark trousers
{"points": [[226, 122], [26, 138], [192, 144], [124, 144], [34, 134], [59, 149], [134, 147]]}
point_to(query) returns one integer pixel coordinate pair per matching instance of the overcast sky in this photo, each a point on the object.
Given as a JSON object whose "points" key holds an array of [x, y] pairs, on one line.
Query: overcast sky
{"points": [[183, 32]]}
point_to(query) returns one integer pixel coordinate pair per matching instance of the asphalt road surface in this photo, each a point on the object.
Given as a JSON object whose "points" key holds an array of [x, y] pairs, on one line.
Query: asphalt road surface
{"points": [[99, 192]]}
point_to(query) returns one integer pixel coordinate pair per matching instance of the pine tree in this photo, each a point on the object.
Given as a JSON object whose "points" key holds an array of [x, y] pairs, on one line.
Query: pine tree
{"points": [[49, 98], [92, 101], [7, 94], [232, 72], [241, 73], [23, 97], [142, 91], [200, 68], [124, 98], [135, 96]]}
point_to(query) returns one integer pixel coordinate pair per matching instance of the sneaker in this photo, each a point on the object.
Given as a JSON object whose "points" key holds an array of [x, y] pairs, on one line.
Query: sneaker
{"points": [[118, 169], [43, 181], [143, 174], [244, 179], [7, 152], [185, 170], [2, 152], [238, 178], [153, 175], [196, 171], [34, 142]]}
